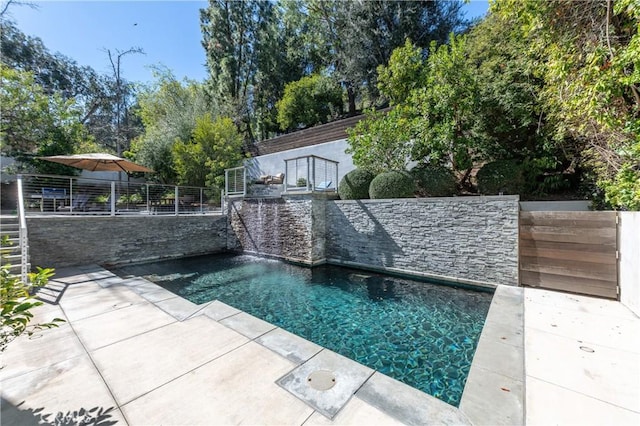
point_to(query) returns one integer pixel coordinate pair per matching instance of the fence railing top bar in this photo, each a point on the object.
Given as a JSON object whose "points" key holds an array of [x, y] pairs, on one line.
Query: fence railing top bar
{"points": [[234, 168], [311, 156]]}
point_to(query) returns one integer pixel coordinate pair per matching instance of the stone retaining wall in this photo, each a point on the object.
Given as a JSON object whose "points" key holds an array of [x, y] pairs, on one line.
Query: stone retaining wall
{"points": [[279, 227], [466, 239], [81, 240]]}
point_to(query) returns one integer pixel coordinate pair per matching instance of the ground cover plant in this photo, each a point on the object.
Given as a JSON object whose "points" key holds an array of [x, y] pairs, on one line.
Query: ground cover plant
{"points": [[17, 301]]}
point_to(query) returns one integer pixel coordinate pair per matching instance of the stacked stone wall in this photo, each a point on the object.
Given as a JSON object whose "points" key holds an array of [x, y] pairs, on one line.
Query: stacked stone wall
{"points": [[279, 227], [471, 239], [81, 240]]}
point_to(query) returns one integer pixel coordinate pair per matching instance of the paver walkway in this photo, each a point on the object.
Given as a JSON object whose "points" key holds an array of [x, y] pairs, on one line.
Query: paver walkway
{"points": [[133, 353]]}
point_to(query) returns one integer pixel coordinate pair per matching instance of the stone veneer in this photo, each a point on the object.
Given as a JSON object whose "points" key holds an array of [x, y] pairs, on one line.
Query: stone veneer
{"points": [[465, 239], [80, 240], [289, 227]]}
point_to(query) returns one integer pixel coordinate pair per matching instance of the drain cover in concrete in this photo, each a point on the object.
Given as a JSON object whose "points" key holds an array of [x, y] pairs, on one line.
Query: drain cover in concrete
{"points": [[321, 392], [321, 380]]}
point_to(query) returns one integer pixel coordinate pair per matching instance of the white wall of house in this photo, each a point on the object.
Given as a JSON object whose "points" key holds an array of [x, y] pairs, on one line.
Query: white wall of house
{"points": [[272, 164], [629, 272]]}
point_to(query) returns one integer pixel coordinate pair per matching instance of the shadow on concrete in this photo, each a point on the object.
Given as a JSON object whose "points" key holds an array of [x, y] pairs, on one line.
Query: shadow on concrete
{"points": [[16, 415]]}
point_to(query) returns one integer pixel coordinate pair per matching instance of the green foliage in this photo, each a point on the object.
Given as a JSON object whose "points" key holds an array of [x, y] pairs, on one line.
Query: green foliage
{"points": [[214, 145], [33, 123], [355, 184], [382, 141], [434, 181], [446, 109], [311, 100], [394, 184], [301, 182], [501, 177], [588, 58], [16, 302], [168, 109], [404, 73], [623, 191]]}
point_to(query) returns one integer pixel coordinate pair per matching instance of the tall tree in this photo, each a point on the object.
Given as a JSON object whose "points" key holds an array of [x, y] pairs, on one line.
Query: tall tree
{"points": [[168, 110], [360, 36], [232, 32]]}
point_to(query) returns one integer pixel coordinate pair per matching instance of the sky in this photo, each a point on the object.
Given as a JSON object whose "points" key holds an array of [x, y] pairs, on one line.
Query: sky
{"points": [[167, 31]]}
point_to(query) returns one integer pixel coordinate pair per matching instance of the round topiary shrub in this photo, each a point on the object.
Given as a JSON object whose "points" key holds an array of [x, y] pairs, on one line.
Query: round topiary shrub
{"points": [[434, 181], [355, 185], [393, 184], [501, 176]]}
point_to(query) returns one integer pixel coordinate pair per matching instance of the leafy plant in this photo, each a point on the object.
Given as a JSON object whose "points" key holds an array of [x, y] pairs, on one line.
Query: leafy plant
{"points": [[355, 185], [394, 184], [501, 177], [301, 182], [17, 301], [434, 181], [311, 100]]}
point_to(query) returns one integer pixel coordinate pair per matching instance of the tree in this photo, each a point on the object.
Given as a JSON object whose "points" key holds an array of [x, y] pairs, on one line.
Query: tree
{"points": [[433, 122], [168, 110], [34, 124], [232, 32], [311, 100], [588, 58], [360, 36], [215, 145], [383, 141]]}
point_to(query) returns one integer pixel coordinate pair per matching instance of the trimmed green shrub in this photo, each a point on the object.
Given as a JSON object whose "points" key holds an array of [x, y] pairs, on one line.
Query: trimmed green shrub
{"points": [[434, 181], [355, 185], [393, 184], [501, 176]]}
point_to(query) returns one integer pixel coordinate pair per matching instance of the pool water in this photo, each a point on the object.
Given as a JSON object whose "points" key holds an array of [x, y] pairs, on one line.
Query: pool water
{"points": [[419, 333]]}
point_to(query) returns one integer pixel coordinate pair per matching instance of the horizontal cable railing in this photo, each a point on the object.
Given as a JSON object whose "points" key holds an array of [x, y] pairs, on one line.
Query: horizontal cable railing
{"points": [[52, 194], [311, 173], [235, 181]]}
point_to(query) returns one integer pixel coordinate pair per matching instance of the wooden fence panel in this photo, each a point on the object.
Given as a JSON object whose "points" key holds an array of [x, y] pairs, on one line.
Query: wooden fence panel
{"points": [[570, 251]]}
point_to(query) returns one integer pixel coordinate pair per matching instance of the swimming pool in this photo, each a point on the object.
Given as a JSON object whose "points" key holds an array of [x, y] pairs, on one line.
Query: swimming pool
{"points": [[420, 333]]}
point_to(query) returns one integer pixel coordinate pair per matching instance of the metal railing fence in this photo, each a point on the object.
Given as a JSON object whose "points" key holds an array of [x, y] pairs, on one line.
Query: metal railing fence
{"points": [[235, 181], [52, 194], [310, 173]]}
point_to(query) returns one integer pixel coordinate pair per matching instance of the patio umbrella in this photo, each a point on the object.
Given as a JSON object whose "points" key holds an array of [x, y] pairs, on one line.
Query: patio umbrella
{"points": [[98, 162]]}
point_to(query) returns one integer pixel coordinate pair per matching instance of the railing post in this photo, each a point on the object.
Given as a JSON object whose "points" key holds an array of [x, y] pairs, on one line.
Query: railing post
{"points": [[226, 180], [244, 181], [200, 200], [148, 205], [22, 234], [336, 181], [312, 184], [71, 195], [113, 198], [286, 176], [176, 202]]}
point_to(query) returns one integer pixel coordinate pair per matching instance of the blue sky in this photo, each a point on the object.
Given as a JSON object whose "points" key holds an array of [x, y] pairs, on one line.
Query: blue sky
{"points": [[168, 32]]}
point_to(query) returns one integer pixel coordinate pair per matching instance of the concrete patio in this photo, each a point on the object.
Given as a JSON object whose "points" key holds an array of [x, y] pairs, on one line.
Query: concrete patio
{"points": [[133, 353]]}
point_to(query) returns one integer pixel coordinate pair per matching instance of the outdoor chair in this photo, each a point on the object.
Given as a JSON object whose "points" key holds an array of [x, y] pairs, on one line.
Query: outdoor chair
{"points": [[79, 203], [324, 186], [277, 179]]}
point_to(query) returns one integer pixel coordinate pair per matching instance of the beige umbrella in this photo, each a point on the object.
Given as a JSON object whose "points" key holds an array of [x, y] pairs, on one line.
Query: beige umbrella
{"points": [[98, 162]]}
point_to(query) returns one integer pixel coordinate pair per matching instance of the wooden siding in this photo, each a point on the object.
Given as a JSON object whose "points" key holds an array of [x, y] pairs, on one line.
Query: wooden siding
{"points": [[329, 132], [570, 251]]}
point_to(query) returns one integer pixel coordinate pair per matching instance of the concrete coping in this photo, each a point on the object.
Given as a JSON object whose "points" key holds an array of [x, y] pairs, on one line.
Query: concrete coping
{"points": [[493, 380]]}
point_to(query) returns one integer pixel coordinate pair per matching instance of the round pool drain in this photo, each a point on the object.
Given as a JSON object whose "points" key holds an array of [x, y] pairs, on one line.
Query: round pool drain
{"points": [[321, 380]]}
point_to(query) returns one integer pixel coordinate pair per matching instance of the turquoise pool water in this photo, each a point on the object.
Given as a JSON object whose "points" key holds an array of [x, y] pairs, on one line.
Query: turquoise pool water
{"points": [[420, 333]]}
